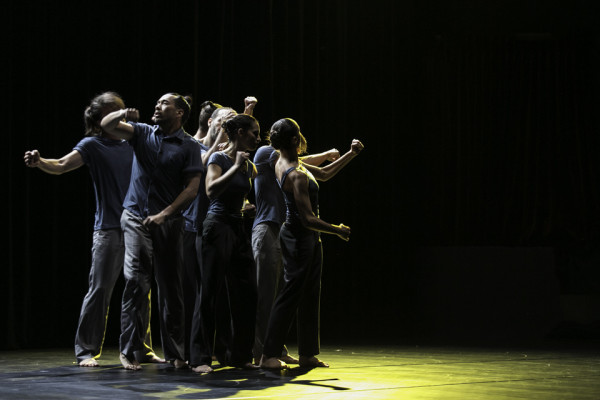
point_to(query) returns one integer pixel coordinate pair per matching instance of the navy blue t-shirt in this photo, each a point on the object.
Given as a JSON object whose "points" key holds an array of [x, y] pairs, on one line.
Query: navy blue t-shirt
{"points": [[160, 167], [196, 212], [231, 201], [109, 162], [270, 206]]}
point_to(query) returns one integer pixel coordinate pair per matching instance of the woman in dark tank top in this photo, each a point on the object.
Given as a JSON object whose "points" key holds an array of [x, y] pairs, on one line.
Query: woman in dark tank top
{"points": [[226, 252], [301, 246]]}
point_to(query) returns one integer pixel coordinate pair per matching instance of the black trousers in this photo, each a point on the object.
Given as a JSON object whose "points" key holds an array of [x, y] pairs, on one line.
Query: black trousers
{"points": [[227, 263], [302, 264], [190, 282]]}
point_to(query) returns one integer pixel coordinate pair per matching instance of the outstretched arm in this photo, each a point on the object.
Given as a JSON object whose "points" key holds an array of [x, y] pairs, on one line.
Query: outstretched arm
{"points": [[320, 158], [329, 171], [71, 161], [181, 201], [299, 182], [114, 124]]}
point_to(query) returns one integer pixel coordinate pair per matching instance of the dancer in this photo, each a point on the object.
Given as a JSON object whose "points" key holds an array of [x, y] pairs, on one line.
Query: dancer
{"points": [[226, 253], [165, 178], [194, 217], [206, 109], [270, 215], [301, 247], [109, 161]]}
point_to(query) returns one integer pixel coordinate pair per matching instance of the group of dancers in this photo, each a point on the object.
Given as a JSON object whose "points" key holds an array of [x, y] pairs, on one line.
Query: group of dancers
{"points": [[172, 207]]}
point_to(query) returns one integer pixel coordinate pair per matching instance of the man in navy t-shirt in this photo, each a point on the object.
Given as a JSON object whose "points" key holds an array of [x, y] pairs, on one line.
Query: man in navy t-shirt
{"points": [[165, 178]]}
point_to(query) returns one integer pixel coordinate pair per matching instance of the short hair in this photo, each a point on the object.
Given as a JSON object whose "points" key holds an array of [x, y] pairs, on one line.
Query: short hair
{"points": [[97, 109], [206, 109], [183, 103]]}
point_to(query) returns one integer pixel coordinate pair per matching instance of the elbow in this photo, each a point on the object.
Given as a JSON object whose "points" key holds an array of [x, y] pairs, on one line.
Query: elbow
{"points": [[323, 177], [307, 221], [61, 168], [104, 124]]}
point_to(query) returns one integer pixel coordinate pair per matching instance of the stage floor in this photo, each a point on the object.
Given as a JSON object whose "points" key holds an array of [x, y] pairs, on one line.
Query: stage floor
{"points": [[357, 372]]}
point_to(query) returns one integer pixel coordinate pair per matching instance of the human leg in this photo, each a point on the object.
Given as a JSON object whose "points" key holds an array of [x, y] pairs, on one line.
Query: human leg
{"points": [[309, 312], [107, 262], [269, 273], [168, 269], [137, 271], [190, 282], [241, 285], [297, 248], [216, 251]]}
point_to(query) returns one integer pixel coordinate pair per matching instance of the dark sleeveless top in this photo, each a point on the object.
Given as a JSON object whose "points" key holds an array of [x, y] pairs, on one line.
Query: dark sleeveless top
{"points": [[292, 217]]}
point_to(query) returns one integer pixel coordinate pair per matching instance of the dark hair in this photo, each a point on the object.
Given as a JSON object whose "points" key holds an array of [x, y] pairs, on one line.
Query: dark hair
{"points": [[206, 109], [240, 121], [283, 131], [183, 103], [100, 105]]}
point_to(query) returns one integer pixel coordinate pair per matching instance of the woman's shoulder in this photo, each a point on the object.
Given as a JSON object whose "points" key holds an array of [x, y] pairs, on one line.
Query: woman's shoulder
{"points": [[218, 157]]}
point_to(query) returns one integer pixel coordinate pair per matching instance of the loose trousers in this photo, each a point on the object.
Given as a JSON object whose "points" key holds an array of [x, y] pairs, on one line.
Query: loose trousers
{"points": [[300, 295], [269, 278], [226, 262], [153, 252]]}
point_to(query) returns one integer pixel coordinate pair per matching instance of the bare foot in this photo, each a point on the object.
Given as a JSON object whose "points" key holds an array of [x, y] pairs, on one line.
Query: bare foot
{"points": [[202, 369], [89, 362], [312, 362], [248, 366], [272, 363], [153, 358], [179, 364], [289, 359], [128, 364]]}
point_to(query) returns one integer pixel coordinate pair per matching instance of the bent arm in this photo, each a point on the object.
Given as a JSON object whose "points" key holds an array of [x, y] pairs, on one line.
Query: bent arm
{"points": [[69, 162], [329, 171], [320, 158], [113, 123], [184, 198], [309, 220], [217, 181], [249, 104], [221, 138]]}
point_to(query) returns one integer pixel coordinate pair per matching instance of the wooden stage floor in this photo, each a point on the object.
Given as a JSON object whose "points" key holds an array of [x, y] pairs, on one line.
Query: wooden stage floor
{"points": [[357, 372]]}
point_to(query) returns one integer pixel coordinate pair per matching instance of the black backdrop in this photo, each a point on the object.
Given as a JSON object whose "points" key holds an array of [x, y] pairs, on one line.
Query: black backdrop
{"points": [[479, 121]]}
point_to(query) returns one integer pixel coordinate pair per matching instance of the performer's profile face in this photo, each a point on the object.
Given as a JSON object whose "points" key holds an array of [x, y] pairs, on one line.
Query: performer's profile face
{"points": [[165, 109]]}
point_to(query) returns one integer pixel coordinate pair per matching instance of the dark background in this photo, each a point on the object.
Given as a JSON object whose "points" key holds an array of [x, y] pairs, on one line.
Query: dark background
{"points": [[474, 206]]}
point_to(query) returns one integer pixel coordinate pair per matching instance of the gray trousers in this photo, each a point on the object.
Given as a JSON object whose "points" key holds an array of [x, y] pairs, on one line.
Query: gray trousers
{"points": [[107, 263], [152, 252], [269, 278]]}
